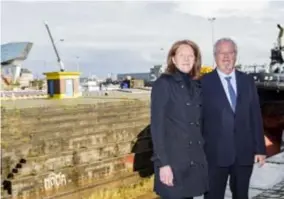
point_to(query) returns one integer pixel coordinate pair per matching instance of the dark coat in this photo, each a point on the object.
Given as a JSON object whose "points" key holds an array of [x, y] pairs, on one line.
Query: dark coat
{"points": [[176, 135], [231, 137]]}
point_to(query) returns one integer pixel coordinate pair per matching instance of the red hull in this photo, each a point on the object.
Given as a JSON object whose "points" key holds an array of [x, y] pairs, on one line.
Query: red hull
{"points": [[273, 121]]}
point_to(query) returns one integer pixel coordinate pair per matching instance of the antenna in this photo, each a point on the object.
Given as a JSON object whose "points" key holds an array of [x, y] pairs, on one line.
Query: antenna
{"points": [[54, 47]]}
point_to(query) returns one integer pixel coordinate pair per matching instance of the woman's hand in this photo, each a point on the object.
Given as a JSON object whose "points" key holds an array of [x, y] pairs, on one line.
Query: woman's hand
{"points": [[166, 175]]}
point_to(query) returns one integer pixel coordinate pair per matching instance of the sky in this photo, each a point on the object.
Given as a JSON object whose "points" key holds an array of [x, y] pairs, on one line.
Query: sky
{"points": [[103, 37]]}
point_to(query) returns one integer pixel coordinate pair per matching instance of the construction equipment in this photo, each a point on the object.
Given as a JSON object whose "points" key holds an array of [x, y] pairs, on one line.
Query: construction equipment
{"points": [[54, 48]]}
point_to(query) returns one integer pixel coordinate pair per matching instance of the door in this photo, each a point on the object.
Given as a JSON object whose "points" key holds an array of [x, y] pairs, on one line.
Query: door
{"points": [[50, 87], [69, 88]]}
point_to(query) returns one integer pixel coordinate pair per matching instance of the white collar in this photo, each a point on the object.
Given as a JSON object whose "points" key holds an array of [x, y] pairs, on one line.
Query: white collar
{"points": [[223, 75]]}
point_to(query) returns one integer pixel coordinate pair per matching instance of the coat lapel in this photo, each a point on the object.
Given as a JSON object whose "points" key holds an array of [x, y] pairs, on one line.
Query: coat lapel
{"points": [[240, 88]]}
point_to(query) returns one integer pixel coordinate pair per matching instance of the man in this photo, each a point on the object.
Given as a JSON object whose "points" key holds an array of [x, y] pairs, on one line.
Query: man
{"points": [[232, 124]]}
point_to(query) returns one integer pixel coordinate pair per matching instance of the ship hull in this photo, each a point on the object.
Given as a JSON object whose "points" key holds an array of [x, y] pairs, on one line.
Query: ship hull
{"points": [[272, 108]]}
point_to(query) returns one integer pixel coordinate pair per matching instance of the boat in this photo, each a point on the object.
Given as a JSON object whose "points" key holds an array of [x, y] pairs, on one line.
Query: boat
{"points": [[270, 87]]}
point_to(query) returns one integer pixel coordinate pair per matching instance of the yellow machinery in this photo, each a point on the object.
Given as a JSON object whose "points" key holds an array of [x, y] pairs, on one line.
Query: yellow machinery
{"points": [[206, 69]]}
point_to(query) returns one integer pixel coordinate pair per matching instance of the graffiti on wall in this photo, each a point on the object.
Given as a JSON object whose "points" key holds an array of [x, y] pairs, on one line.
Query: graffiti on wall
{"points": [[54, 180]]}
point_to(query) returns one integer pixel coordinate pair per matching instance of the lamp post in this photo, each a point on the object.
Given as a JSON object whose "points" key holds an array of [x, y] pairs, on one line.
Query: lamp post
{"points": [[77, 63], [60, 40], [164, 63], [211, 20], [164, 55], [59, 44]]}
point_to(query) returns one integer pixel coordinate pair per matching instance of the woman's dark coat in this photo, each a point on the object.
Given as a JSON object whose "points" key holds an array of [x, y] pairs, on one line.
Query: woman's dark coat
{"points": [[176, 134]]}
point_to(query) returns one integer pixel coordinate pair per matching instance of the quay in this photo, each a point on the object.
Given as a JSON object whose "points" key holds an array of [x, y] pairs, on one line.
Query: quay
{"points": [[74, 148]]}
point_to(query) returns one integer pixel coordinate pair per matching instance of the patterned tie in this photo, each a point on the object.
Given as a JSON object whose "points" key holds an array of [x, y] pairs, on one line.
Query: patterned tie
{"points": [[231, 93]]}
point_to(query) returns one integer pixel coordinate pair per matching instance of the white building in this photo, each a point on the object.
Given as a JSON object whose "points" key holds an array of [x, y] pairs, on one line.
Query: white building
{"points": [[25, 79], [143, 76]]}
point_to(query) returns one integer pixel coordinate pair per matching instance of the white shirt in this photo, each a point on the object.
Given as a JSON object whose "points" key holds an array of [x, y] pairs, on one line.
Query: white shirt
{"points": [[224, 82]]}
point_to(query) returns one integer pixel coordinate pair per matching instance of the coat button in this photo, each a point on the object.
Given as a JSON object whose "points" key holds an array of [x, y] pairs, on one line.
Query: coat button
{"points": [[191, 123], [182, 86], [191, 163], [187, 103], [199, 142], [190, 142]]}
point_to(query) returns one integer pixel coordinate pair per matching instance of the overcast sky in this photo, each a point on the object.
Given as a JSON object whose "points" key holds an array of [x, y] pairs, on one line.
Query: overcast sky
{"points": [[128, 36]]}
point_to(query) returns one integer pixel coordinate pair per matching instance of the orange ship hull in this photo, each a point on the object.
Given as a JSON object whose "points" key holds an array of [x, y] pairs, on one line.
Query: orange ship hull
{"points": [[273, 122]]}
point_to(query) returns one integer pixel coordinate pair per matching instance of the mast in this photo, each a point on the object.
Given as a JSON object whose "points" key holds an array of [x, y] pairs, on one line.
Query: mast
{"points": [[280, 35], [54, 47]]}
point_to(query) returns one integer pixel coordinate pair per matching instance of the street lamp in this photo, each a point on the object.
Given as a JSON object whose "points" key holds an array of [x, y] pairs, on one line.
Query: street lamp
{"points": [[163, 52], [60, 40], [77, 63], [211, 20]]}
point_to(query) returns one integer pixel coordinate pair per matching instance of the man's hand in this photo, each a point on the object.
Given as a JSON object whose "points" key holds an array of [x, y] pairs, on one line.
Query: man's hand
{"points": [[166, 175], [259, 159]]}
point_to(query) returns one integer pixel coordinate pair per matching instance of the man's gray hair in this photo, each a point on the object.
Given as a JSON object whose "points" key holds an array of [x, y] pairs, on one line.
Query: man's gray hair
{"points": [[225, 39]]}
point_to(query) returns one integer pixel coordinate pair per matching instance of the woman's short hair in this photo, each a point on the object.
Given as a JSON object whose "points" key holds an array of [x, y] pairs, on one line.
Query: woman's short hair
{"points": [[171, 67]]}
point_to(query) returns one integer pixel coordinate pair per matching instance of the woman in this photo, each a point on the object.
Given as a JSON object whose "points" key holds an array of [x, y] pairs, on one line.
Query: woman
{"points": [[179, 160]]}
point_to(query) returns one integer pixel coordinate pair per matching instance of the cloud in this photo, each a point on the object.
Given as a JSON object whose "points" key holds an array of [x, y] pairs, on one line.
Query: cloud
{"points": [[226, 8], [128, 36]]}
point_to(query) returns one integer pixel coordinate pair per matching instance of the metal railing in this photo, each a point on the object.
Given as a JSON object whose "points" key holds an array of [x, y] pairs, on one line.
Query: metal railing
{"points": [[23, 94]]}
